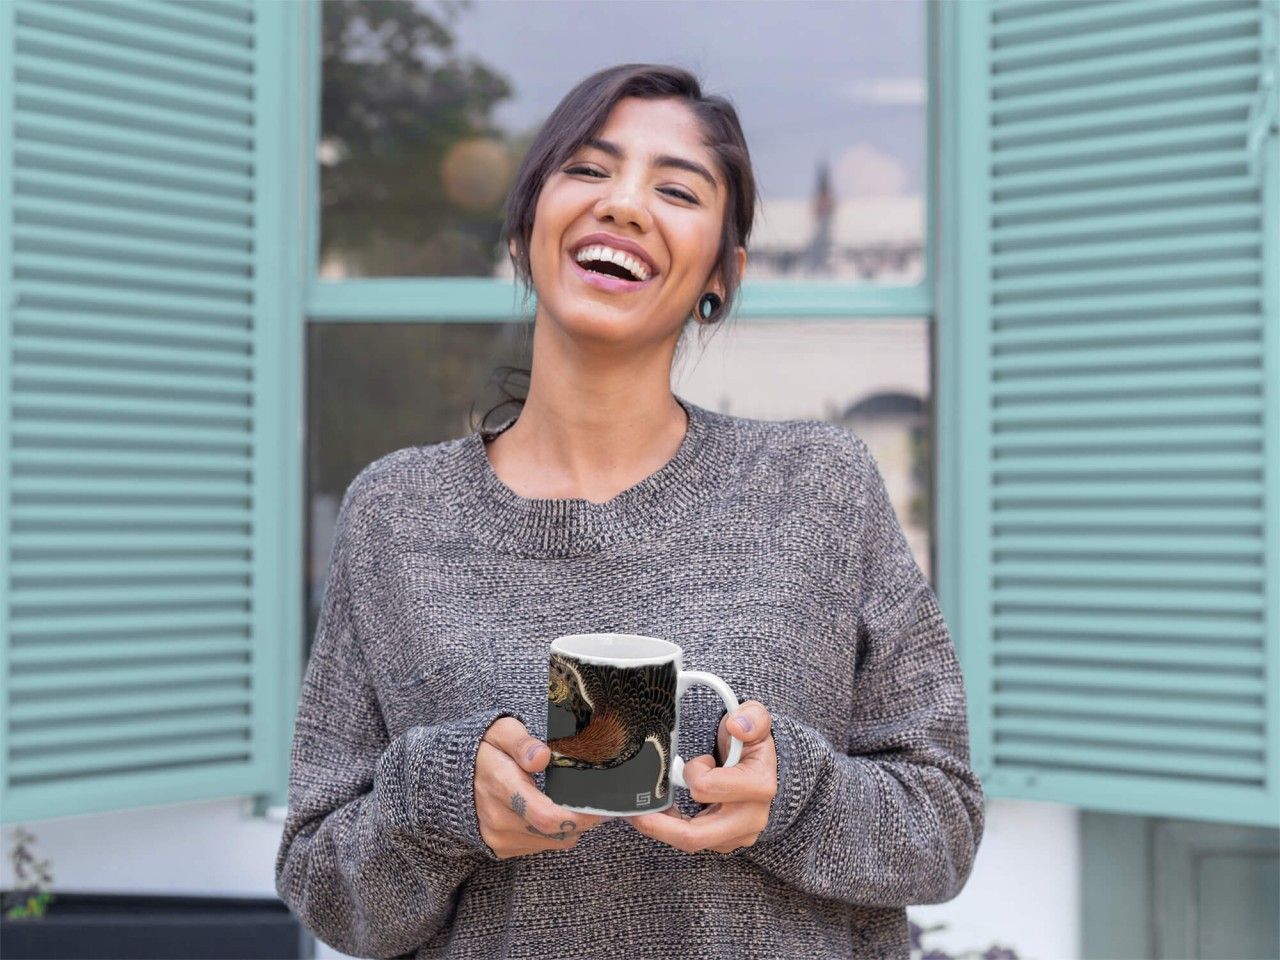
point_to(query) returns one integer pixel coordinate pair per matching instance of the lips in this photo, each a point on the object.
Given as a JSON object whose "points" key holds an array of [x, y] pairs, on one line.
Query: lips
{"points": [[618, 243], [606, 283]]}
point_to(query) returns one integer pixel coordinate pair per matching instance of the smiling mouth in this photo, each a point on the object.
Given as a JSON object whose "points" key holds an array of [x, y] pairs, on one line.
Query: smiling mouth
{"points": [[608, 268], [608, 277]]}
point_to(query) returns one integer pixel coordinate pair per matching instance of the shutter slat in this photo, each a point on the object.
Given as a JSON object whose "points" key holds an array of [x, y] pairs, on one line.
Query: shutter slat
{"points": [[211, 362], [1083, 152], [1160, 602], [44, 405], [121, 761], [1086, 250], [237, 10], [1188, 462], [66, 654], [1021, 411], [1125, 703], [109, 598], [204, 724], [1138, 623], [1189, 763], [1212, 655], [89, 378], [1066, 128], [32, 429], [73, 158], [1167, 735], [31, 459], [91, 192], [143, 224], [1038, 50], [37, 39], [90, 542], [95, 20], [32, 319], [1011, 21], [108, 621], [1170, 570], [115, 568], [1191, 682], [1061, 285], [160, 120], [1076, 383], [1212, 164], [131, 223], [85, 682], [94, 710], [130, 514], [188, 19], [1068, 437]]}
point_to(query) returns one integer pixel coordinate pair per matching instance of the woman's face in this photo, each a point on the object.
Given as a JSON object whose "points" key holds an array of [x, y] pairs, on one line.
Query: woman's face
{"points": [[621, 186]]}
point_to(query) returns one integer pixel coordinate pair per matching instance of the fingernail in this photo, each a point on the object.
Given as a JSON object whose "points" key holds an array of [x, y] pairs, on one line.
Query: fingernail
{"points": [[533, 751], [744, 722]]}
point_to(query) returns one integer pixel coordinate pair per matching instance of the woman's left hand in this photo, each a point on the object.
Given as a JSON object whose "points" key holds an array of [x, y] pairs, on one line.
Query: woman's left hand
{"points": [[739, 796]]}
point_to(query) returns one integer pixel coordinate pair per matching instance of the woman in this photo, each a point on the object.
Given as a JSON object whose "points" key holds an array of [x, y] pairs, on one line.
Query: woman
{"points": [[768, 550]]}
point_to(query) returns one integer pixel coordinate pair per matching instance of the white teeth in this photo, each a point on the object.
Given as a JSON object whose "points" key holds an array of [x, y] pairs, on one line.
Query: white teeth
{"points": [[601, 252]]}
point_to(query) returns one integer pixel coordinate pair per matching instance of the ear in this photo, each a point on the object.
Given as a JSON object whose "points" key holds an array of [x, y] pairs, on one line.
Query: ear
{"points": [[511, 248], [741, 254]]}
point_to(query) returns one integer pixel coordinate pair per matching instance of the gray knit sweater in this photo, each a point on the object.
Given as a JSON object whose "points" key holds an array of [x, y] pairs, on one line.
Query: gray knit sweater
{"points": [[770, 552]]}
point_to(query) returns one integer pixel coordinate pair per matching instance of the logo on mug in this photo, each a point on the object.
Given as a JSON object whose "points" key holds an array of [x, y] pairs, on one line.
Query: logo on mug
{"points": [[642, 799]]}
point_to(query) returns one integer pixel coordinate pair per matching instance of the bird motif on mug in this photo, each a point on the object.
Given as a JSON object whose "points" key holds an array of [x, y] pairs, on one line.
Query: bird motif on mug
{"points": [[616, 711]]}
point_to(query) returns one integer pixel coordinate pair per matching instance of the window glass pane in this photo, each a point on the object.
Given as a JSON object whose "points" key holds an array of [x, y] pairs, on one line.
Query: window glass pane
{"points": [[373, 388], [426, 113]]}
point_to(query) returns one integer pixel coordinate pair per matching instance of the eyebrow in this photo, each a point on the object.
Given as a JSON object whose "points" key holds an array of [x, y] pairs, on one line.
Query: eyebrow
{"points": [[657, 159]]}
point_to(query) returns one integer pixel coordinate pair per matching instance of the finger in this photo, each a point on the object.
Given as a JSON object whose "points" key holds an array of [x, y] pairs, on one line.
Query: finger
{"points": [[751, 722], [753, 778], [512, 737], [540, 815], [725, 826], [520, 796]]}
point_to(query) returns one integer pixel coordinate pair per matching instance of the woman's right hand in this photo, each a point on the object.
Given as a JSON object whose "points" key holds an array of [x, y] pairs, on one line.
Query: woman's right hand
{"points": [[515, 816]]}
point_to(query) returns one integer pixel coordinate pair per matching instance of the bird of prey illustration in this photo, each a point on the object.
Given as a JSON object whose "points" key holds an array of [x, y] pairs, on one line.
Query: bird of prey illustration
{"points": [[616, 710]]}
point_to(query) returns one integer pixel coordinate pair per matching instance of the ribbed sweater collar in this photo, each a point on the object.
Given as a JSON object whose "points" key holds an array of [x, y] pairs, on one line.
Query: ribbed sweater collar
{"points": [[564, 527]]}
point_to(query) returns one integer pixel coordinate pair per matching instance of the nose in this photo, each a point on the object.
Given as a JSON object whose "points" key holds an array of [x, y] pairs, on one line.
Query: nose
{"points": [[622, 204]]}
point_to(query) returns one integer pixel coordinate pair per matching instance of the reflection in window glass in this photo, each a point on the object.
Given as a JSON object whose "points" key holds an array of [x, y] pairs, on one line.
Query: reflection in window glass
{"points": [[427, 108], [374, 388]]}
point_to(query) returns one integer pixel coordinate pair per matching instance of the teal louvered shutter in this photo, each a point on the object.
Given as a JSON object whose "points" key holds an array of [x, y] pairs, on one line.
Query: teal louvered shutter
{"points": [[147, 575], [1118, 403]]}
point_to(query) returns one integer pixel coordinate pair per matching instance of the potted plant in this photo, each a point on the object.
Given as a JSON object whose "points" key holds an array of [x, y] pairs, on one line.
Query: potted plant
{"points": [[38, 925], [920, 952]]}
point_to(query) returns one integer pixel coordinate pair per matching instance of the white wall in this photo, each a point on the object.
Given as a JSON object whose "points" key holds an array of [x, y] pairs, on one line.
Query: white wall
{"points": [[1023, 892]]}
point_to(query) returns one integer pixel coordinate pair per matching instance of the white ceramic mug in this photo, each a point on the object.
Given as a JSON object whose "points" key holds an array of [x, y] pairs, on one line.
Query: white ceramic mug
{"points": [[613, 722]]}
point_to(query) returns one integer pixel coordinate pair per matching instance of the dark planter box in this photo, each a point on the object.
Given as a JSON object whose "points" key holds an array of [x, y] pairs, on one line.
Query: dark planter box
{"points": [[106, 926]]}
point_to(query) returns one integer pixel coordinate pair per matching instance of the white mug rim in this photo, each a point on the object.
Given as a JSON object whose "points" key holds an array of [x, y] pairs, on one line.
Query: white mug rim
{"points": [[671, 651]]}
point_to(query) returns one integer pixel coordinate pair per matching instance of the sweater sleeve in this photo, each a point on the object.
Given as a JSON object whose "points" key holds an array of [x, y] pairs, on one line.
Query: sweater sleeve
{"points": [[379, 832], [894, 816]]}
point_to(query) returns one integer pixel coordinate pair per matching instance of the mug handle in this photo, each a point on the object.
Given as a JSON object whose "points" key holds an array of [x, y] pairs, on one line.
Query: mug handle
{"points": [[684, 680]]}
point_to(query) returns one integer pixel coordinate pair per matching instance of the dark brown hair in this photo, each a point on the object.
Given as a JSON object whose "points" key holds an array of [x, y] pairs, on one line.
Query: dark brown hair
{"points": [[582, 113]]}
